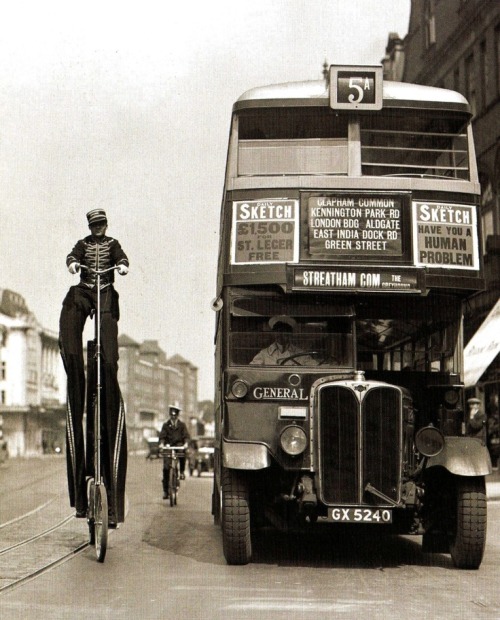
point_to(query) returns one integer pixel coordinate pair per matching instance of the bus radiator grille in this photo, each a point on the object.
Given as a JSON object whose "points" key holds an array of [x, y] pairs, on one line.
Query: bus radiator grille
{"points": [[359, 444]]}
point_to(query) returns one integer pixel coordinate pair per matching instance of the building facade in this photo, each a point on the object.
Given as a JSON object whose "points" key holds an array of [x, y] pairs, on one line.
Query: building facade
{"points": [[455, 44], [33, 384], [189, 374], [150, 383], [32, 381]]}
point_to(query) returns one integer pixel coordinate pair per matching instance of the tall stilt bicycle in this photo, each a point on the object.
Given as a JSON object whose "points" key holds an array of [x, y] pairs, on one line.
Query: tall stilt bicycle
{"points": [[97, 517]]}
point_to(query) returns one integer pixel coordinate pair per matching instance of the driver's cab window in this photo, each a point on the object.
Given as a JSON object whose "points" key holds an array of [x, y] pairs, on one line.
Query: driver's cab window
{"points": [[290, 340]]}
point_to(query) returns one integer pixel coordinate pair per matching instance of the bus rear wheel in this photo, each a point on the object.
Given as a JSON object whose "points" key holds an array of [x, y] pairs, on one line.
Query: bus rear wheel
{"points": [[236, 536], [469, 531]]}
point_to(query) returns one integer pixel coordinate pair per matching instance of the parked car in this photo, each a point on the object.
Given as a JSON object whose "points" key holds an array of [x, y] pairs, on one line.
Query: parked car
{"points": [[4, 451], [201, 455], [153, 444]]}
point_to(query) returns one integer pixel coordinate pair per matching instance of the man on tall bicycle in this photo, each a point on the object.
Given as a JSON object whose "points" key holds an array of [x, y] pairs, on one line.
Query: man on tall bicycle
{"points": [[96, 251], [174, 432]]}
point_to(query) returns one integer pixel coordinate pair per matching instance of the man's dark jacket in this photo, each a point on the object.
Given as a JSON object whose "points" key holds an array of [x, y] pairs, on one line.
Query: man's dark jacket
{"points": [[99, 254], [174, 436]]}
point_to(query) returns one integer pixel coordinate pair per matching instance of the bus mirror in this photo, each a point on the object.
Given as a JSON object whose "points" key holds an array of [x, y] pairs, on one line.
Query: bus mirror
{"points": [[217, 304]]}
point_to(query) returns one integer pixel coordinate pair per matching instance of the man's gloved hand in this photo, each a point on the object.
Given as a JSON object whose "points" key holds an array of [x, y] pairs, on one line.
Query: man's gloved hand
{"points": [[122, 270], [74, 267]]}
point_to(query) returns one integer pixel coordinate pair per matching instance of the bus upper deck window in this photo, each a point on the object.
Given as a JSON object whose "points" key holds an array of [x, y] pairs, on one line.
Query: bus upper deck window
{"points": [[292, 141], [415, 143], [291, 124]]}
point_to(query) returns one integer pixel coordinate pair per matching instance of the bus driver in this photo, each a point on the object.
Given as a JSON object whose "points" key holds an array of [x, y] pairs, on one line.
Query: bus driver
{"points": [[282, 348]]}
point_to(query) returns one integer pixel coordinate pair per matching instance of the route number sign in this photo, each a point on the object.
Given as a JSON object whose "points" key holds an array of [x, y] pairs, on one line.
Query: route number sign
{"points": [[356, 88]]}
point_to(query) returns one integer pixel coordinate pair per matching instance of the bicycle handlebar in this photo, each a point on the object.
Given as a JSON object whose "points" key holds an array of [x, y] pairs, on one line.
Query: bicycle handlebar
{"points": [[98, 272], [170, 451]]}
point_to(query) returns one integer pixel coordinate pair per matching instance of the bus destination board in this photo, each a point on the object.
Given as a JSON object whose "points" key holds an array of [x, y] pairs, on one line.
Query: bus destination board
{"points": [[445, 235], [358, 225], [375, 279], [265, 231]]}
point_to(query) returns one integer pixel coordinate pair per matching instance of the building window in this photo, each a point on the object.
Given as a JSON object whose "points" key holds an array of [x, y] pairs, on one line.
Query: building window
{"points": [[3, 397], [487, 208], [497, 57], [456, 79], [430, 23], [484, 75], [3, 370], [470, 83]]}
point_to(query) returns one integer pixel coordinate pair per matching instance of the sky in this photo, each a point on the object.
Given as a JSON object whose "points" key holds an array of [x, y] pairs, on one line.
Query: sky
{"points": [[126, 106]]}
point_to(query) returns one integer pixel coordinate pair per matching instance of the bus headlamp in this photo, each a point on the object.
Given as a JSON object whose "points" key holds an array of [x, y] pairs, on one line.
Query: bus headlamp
{"points": [[429, 441], [293, 440], [451, 397], [239, 389]]}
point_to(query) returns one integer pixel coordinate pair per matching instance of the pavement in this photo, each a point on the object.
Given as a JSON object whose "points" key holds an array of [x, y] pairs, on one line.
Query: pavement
{"points": [[493, 485]]}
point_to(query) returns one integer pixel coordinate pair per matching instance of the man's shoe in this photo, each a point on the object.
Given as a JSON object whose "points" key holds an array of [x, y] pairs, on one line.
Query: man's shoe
{"points": [[81, 513], [182, 477], [165, 496], [112, 522]]}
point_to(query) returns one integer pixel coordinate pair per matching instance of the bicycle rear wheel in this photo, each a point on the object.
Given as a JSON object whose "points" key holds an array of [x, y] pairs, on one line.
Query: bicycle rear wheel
{"points": [[100, 521], [172, 486]]}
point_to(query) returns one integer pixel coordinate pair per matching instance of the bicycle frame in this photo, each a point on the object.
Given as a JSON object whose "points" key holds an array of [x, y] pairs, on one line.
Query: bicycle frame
{"points": [[98, 504], [171, 453], [97, 408]]}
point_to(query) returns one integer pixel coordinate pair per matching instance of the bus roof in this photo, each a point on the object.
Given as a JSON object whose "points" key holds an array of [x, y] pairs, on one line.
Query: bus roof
{"points": [[316, 93]]}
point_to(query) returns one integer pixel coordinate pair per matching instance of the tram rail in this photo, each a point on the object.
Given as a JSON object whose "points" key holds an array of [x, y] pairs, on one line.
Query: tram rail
{"points": [[36, 542]]}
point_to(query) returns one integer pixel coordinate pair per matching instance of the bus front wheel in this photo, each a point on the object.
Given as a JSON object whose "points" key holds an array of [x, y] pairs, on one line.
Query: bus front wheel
{"points": [[469, 531], [236, 537]]}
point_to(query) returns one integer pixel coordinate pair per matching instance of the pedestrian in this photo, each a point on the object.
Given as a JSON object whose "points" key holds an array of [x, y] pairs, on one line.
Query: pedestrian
{"points": [[96, 251], [494, 431], [174, 432], [476, 420]]}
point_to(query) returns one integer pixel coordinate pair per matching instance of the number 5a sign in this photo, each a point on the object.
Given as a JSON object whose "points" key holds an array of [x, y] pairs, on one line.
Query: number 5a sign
{"points": [[356, 87]]}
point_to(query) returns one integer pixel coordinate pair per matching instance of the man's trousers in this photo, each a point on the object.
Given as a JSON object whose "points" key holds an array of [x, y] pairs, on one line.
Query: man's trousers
{"points": [[77, 306]]}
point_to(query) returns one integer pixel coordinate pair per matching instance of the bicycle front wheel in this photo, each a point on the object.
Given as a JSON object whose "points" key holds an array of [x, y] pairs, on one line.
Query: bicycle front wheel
{"points": [[172, 486], [100, 521], [90, 513]]}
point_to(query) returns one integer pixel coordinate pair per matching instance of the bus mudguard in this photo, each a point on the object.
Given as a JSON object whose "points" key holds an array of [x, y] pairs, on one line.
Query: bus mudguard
{"points": [[242, 455], [463, 456]]}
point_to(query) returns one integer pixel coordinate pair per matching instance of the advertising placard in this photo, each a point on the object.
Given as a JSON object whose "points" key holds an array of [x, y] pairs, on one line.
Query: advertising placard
{"points": [[483, 347], [356, 224], [265, 231], [445, 235]]}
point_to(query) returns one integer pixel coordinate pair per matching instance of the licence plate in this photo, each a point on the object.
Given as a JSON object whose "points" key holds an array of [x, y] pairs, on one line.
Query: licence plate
{"points": [[360, 515]]}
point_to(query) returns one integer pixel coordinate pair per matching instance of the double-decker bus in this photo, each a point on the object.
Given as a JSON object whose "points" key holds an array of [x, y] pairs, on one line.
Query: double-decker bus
{"points": [[348, 247]]}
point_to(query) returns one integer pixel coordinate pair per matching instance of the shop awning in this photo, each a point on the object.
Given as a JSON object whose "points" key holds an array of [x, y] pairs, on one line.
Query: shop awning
{"points": [[483, 347]]}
